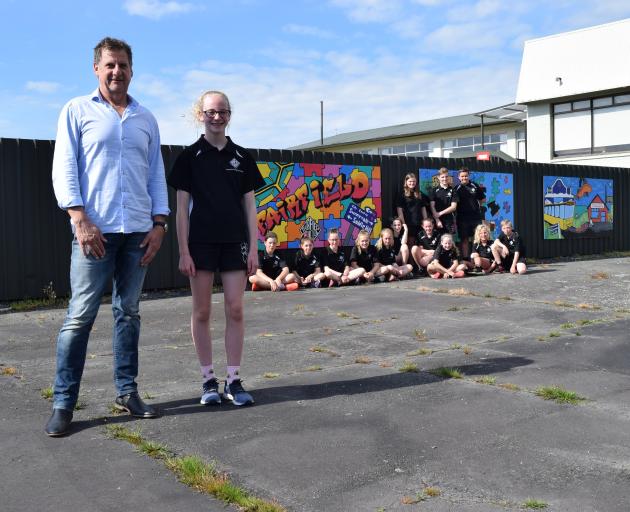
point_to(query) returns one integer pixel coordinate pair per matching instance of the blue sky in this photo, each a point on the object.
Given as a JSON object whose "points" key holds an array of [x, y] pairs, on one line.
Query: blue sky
{"points": [[373, 62]]}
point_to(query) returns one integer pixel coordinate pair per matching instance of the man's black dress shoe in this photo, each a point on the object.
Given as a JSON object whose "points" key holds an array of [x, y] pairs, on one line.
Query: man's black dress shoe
{"points": [[133, 404], [59, 423]]}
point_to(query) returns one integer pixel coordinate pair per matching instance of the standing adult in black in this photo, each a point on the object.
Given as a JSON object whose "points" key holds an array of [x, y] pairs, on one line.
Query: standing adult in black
{"points": [[443, 200], [469, 209], [411, 207]]}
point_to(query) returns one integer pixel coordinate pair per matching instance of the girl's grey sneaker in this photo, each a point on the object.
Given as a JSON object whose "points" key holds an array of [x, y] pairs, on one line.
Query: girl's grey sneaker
{"points": [[236, 394], [211, 393]]}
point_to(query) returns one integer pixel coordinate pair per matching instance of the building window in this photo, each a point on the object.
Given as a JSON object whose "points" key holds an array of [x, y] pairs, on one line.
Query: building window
{"points": [[593, 126], [492, 142], [419, 149]]}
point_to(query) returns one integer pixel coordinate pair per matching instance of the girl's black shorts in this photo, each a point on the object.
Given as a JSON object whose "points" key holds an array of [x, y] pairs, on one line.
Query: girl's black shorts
{"points": [[220, 257]]}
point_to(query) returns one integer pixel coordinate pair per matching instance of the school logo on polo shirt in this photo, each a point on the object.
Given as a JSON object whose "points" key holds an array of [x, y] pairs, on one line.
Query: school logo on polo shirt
{"points": [[235, 165]]}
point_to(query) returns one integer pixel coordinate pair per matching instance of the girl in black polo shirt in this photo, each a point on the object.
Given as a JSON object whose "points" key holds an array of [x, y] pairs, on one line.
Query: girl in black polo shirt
{"points": [[411, 206], [445, 260], [363, 256], [218, 235]]}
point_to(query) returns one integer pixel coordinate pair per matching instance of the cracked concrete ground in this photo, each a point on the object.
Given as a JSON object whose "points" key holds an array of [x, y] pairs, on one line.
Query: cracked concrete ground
{"points": [[330, 433]]}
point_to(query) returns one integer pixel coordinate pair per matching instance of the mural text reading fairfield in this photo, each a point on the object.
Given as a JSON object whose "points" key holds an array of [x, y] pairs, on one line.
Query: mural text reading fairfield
{"points": [[300, 199]]}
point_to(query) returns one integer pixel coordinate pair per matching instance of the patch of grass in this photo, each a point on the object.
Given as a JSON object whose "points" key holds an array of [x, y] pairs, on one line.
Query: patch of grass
{"points": [[586, 322], [122, 433], [314, 368], [467, 349], [409, 367], [563, 304], [46, 393], [194, 472], [440, 290], [600, 275], [115, 411], [271, 375], [505, 297], [455, 346], [421, 352], [80, 405], [9, 371], [486, 379], [154, 450], [460, 292], [454, 308], [586, 305], [534, 504], [559, 395], [541, 338], [421, 335], [447, 373], [266, 335], [345, 314], [488, 295], [578, 333], [324, 350], [147, 396], [412, 500], [567, 325], [432, 491], [385, 364], [554, 334], [298, 307], [362, 360], [509, 386]]}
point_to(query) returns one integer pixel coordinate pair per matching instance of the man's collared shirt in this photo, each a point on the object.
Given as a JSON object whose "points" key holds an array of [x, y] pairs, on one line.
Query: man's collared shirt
{"points": [[110, 164]]}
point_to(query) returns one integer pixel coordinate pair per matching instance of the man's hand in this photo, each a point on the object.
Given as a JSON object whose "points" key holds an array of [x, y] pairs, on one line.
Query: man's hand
{"points": [[152, 242], [90, 238], [252, 261]]}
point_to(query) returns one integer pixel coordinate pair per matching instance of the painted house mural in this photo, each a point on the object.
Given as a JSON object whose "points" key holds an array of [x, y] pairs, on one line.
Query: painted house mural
{"points": [[577, 207], [498, 188], [309, 199]]}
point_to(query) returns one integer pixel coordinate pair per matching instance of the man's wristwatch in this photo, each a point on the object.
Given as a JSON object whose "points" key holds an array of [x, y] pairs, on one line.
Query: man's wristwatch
{"points": [[163, 225]]}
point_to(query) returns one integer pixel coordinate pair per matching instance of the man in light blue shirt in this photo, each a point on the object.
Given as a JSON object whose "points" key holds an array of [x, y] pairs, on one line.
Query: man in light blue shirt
{"points": [[108, 175]]}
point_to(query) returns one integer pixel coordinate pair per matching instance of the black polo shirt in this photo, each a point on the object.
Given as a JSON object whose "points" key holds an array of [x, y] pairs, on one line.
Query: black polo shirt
{"points": [[470, 197], [270, 264], [429, 243], [513, 243], [335, 261], [387, 255], [444, 257], [443, 197], [305, 265], [412, 208], [485, 251], [217, 181], [365, 259]]}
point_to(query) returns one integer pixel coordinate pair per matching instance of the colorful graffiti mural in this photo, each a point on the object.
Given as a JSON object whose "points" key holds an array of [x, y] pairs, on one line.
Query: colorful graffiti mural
{"points": [[497, 186], [309, 199], [577, 207]]}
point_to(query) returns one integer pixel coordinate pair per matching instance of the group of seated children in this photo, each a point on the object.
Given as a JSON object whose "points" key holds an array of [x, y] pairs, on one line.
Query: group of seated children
{"points": [[433, 253]]}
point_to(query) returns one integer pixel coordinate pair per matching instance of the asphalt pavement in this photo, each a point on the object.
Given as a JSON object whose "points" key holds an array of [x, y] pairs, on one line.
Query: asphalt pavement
{"points": [[337, 426]]}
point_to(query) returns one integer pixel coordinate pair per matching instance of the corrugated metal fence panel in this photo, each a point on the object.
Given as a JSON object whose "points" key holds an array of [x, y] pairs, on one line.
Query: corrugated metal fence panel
{"points": [[36, 237]]}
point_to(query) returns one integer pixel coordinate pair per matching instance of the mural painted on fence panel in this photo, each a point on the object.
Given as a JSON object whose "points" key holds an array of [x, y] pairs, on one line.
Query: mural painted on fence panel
{"points": [[497, 186], [577, 207], [309, 199]]}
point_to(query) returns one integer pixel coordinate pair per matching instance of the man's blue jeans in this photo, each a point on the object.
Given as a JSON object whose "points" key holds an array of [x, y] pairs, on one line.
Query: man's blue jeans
{"points": [[89, 278]]}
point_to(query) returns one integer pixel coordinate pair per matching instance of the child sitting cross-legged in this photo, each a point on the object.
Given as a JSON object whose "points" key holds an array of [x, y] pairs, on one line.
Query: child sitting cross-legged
{"points": [[363, 256], [386, 252], [306, 266], [273, 273], [336, 267], [508, 250], [445, 261]]}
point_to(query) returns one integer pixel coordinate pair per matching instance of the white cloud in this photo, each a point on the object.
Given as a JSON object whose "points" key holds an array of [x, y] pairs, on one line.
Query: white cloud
{"points": [[155, 9], [43, 87], [371, 11], [306, 30], [278, 106]]}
